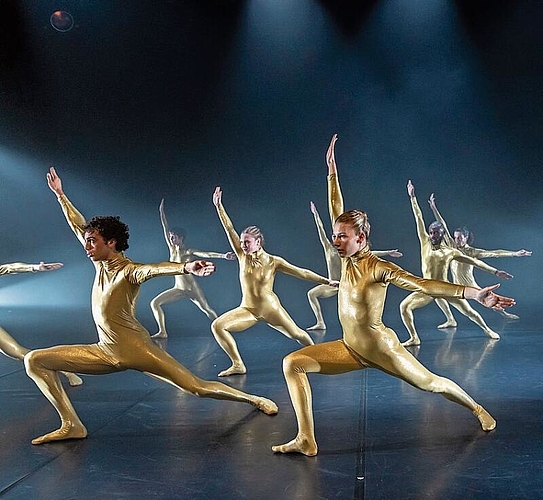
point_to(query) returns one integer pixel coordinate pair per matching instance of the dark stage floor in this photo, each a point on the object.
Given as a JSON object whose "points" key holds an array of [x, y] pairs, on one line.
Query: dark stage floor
{"points": [[379, 438]]}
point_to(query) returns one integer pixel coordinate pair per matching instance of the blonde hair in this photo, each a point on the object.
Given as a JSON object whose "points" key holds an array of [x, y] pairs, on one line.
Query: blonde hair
{"points": [[358, 219], [255, 232]]}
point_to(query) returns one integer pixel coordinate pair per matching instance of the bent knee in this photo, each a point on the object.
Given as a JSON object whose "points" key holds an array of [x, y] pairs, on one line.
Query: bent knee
{"points": [[295, 363], [436, 385], [32, 360]]}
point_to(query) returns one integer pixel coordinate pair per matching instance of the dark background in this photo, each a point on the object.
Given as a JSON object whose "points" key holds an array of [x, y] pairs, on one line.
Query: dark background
{"points": [[144, 100]]}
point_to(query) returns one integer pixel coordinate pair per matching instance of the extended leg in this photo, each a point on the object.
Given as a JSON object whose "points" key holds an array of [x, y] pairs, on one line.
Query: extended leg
{"points": [[10, 347], [159, 364], [198, 298], [463, 306], [327, 358], [166, 297], [413, 301], [402, 364], [236, 320], [42, 366], [444, 306], [316, 293], [279, 319]]}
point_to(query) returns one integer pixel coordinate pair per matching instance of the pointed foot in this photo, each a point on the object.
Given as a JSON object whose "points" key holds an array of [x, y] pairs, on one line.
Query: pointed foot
{"points": [[233, 370], [318, 326], [492, 334], [265, 405], [447, 324], [160, 335], [487, 421], [73, 379], [67, 430], [411, 342], [304, 446]]}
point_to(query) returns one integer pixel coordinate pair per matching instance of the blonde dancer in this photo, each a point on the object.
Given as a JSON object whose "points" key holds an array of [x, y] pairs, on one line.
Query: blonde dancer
{"points": [[257, 270], [185, 285], [123, 343], [461, 272], [366, 342], [8, 345], [333, 265], [436, 257]]}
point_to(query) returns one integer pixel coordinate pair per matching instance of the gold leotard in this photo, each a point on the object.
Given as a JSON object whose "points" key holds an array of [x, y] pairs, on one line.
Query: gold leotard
{"points": [[123, 343], [259, 302], [435, 263], [366, 342]]}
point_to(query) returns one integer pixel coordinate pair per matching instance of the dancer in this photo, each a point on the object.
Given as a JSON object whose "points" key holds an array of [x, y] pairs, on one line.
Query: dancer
{"points": [[123, 342], [366, 342], [461, 272], [436, 257], [333, 265], [257, 270], [8, 345], [185, 285]]}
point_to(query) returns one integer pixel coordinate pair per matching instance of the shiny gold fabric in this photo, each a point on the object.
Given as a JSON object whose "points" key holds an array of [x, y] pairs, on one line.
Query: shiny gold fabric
{"points": [[123, 343], [366, 342], [259, 302], [17, 267], [435, 263]]}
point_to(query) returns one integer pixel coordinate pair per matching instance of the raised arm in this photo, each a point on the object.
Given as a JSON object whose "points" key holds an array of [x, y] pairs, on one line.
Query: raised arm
{"points": [[335, 198], [323, 238], [231, 234], [76, 221], [165, 225], [447, 236], [21, 267], [419, 219]]}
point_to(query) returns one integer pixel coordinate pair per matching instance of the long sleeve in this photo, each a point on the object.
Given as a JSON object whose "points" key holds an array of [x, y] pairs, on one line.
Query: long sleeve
{"points": [[335, 198], [76, 221], [139, 273], [207, 255], [231, 234], [475, 262], [479, 253], [419, 220], [16, 267], [299, 272]]}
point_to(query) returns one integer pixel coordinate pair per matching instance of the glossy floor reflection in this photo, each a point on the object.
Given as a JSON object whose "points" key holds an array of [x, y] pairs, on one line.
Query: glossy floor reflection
{"points": [[379, 438]]}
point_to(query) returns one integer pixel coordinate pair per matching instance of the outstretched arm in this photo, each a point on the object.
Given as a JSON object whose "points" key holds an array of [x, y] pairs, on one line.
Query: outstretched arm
{"points": [[285, 267], [139, 273], [387, 253], [447, 236], [335, 198], [231, 234], [214, 255], [21, 267], [488, 298], [487, 254], [76, 221], [481, 265], [419, 219]]}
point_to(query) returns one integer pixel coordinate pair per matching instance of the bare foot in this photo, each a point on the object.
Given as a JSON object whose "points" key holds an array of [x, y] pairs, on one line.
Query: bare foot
{"points": [[73, 379], [487, 421], [235, 369], [411, 341], [160, 335], [492, 334], [448, 324], [265, 405], [298, 445], [67, 430], [317, 326]]}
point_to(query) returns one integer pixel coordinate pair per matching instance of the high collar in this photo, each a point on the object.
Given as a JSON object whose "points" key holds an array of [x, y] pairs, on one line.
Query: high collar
{"points": [[116, 263], [361, 254]]}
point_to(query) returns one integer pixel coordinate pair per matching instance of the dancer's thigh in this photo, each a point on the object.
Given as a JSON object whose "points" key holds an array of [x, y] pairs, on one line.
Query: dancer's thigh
{"points": [[328, 358], [236, 320]]}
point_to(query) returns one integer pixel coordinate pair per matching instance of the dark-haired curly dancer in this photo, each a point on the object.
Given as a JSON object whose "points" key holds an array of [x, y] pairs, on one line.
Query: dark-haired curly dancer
{"points": [[123, 343]]}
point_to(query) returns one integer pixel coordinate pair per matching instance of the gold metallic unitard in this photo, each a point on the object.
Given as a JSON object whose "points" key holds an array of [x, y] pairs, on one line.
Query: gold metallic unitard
{"points": [[367, 342], [8, 345], [462, 273], [435, 262], [259, 302], [123, 343], [333, 265], [185, 285]]}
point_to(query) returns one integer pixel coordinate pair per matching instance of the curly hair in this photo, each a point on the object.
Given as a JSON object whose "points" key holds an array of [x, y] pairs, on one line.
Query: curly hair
{"points": [[110, 227]]}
